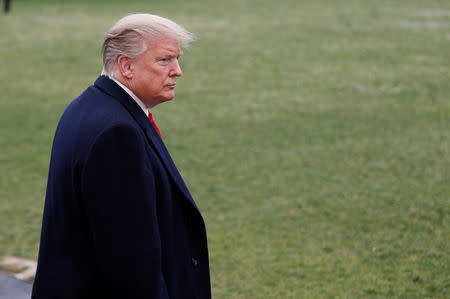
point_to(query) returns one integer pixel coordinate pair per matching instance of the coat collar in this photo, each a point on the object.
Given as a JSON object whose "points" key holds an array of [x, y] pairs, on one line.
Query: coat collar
{"points": [[110, 87]]}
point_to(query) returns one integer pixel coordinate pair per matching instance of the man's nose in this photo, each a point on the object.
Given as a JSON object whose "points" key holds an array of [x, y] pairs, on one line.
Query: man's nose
{"points": [[176, 70]]}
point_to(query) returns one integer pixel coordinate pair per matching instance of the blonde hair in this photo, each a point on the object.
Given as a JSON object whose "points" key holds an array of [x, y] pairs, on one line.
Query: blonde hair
{"points": [[129, 35]]}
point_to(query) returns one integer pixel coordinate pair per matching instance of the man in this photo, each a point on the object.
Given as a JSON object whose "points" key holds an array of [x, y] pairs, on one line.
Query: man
{"points": [[118, 220]]}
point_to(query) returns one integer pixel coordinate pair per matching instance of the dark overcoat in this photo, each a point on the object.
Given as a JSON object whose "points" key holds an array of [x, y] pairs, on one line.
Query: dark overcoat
{"points": [[118, 222]]}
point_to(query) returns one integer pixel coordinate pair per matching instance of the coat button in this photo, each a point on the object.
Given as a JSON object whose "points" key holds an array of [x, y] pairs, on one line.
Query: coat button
{"points": [[194, 262]]}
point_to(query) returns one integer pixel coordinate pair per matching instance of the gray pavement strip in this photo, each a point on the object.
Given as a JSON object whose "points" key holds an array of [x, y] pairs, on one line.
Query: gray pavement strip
{"points": [[12, 288]]}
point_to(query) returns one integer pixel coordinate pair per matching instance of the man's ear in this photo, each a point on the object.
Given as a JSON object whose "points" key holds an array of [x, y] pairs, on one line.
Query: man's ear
{"points": [[126, 66]]}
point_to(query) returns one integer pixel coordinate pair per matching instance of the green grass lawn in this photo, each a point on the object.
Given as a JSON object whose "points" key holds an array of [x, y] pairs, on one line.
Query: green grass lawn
{"points": [[314, 136]]}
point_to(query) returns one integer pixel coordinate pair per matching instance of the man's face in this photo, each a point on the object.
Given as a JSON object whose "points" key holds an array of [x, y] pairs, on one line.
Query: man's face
{"points": [[155, 72]]}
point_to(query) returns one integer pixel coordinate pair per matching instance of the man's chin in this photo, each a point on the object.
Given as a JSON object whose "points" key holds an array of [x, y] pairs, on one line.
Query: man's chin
{"points": [[169, 97], [161, 99]]}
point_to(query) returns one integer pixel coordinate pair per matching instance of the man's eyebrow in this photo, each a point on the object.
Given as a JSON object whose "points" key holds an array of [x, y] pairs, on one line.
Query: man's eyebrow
{"points": [[174, 52], [171, 55]]}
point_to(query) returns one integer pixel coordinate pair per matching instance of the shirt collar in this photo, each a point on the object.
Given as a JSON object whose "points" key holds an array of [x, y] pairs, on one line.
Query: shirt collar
{"points": [[135, 98]]}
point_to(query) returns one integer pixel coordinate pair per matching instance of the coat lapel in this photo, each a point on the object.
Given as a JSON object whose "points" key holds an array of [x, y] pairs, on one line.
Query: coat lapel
{"points": [[110, 87]]}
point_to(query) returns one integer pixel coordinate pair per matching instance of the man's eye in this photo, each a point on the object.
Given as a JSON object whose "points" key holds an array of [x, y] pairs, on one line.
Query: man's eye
{"points": [[164, 60]]}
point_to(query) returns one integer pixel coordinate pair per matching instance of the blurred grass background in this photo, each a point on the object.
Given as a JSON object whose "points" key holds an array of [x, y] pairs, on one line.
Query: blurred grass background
{"points": [[314, 136]]}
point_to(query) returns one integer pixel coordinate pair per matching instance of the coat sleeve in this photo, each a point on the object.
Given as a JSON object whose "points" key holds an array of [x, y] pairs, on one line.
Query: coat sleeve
{"points": [[118, 193]]}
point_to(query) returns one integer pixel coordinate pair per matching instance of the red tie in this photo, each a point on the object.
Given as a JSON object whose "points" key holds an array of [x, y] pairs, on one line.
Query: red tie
{"points": [[150, 117]]}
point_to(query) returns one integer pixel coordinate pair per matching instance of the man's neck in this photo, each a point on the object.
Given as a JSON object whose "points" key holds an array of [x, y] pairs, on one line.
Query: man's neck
{"points": [[131, 93]]}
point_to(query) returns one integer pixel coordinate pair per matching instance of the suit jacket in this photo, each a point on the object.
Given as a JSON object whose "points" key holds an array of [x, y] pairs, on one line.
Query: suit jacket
{"points": [[118, 220]]}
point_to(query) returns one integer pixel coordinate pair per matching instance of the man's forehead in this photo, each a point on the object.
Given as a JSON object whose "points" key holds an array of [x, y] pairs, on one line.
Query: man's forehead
{"points": [[164, 45]]}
